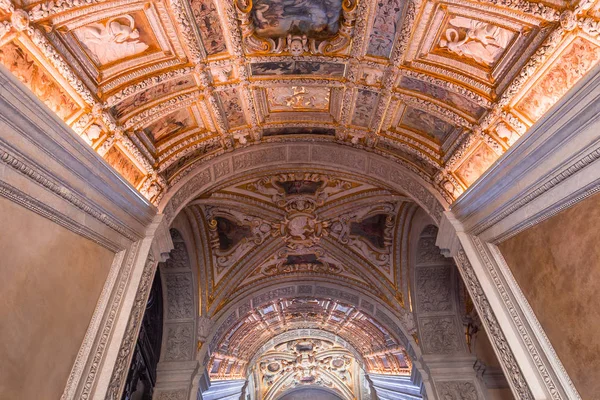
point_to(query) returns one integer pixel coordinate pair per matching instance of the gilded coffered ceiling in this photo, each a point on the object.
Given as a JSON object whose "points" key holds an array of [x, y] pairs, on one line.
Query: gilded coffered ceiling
{"points": [[441, 87]]}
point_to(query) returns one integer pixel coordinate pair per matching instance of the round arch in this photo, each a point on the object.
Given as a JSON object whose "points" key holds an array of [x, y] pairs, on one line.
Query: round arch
{"points": [[311, 155], [387, 317]]}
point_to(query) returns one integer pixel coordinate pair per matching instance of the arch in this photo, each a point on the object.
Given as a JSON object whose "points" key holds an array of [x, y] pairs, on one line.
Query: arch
{"points": [[313, 155], [286, 395]]}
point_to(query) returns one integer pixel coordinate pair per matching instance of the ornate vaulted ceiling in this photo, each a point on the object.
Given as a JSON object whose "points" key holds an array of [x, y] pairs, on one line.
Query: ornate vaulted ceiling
{"points": [[258, 234], [299, 223], [442, 87]]}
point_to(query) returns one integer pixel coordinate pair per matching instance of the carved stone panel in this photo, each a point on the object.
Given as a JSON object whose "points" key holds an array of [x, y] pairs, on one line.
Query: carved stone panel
{"points": [[180, 298], [179, 342], [178, 394], [440, 335], [457, 390], [428, 252], [433, 289]]}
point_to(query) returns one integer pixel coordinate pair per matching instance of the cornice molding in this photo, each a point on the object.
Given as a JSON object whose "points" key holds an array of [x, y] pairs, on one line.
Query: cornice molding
{"points": [[555, 165], [36, 147]]}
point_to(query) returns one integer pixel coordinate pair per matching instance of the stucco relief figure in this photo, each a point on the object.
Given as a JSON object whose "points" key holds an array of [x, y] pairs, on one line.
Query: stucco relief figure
{"points": [[113, 40], [297, 45], [506, 133], [478, 40]]}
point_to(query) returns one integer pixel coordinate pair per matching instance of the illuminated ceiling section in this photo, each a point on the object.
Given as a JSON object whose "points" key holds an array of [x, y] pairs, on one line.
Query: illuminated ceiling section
{"points": [[442, 87], [249, 342]]}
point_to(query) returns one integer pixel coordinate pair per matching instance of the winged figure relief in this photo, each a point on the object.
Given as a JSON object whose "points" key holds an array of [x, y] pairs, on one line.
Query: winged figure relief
{"points": [[112, 40], [478, 40]]}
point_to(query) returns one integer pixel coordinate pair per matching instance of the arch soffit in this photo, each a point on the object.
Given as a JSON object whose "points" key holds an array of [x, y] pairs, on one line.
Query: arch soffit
{"points": [[312, 156], [399, 325]]}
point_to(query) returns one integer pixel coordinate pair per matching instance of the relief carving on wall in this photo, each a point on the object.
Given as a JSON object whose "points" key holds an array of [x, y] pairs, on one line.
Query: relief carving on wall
{"points": [[440, 335], [180, 298], [433, 289], [179, 342], [457, 390]]}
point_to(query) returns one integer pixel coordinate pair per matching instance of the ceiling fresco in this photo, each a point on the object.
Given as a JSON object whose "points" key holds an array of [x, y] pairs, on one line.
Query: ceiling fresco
{"points": [[442, 87]]}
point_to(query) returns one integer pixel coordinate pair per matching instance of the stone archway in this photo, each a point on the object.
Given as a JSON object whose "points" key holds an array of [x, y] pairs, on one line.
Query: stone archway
{"points": [[196, 191]]}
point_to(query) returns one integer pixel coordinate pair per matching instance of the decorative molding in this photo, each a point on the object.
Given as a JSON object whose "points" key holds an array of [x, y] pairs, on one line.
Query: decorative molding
{"points": [[509, 364], [119, 374]]}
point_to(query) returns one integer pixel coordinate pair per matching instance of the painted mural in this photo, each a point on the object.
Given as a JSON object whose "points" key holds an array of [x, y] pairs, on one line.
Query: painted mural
{"points": [[575, 61], [207, 20], [292, 98], [318, 19], [298, 131], [133, 103], [116, 38], [230, 233], [171, 125], [476, 164], [37, 79], [233, 108], [443, 95], [298, 68], [124, 166], [372, 229], [427, 123], [386, 23], [366, 101]]}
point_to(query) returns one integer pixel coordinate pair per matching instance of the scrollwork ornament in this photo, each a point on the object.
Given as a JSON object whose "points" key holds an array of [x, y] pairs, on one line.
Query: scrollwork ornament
{"points": [[19, 20]]}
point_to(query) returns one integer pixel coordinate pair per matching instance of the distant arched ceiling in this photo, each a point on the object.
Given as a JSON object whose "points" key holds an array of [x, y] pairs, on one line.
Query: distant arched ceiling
{"points": [[242, 345], [159, 87]]}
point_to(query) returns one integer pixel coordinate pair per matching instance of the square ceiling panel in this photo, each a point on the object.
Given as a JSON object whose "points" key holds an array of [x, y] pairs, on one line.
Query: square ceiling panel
{"points": [[478, 46], [109, 43]]}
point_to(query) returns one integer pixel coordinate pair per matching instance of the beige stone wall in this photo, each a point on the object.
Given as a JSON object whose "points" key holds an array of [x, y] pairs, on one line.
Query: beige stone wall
{"points": [[557, 265], [51, 281]]}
